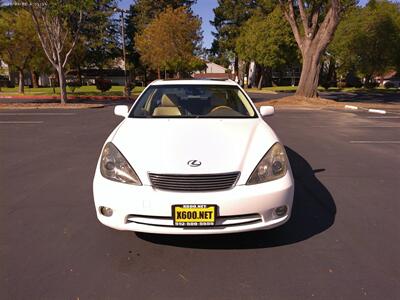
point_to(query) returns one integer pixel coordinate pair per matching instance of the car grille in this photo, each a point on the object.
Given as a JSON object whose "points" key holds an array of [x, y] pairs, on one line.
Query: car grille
{"points": [[201, 182], [220, 221]]}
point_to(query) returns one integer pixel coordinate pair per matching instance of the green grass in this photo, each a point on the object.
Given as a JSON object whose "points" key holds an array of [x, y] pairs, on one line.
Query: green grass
{"points": [[273, 89], [119, 90], [380, 90], [292, 89], [82, 91]]}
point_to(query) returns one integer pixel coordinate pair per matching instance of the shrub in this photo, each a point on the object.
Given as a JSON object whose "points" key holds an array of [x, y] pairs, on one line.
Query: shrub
{"points": [[131, 86], [6, 83], [371, 84], [353, 81], [103, 85], [326, 84], [74, 84]]}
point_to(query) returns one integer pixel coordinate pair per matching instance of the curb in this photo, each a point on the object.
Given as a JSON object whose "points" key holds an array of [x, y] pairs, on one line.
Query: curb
{"points": [[377, 111], [90, 106], [370, 110], [351, 107], [46, 97]]}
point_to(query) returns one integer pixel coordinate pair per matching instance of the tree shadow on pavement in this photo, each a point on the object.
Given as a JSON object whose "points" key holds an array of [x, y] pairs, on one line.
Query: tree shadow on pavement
{"points": [[313, 212], [365, 97]]}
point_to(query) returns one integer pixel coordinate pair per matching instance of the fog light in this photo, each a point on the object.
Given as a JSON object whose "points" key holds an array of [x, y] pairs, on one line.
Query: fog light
{"points": [[106, 211], [281, 211]]}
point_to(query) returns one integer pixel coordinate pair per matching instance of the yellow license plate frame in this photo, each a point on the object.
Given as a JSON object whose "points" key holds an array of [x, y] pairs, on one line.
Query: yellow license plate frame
{"points": [[194, 215]]}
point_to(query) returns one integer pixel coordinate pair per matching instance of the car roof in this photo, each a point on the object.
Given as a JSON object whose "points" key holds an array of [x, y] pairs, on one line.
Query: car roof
{"points": [[195, 82]]}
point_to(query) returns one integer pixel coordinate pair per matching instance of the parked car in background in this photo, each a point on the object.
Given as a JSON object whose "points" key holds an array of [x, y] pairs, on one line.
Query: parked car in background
{"points": [[392, 83]]}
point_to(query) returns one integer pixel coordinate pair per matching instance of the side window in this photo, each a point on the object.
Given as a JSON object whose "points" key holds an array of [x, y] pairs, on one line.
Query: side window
{"points": [[155, 101]]}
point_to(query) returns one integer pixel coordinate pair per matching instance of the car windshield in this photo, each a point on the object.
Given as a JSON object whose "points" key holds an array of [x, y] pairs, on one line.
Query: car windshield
{"points": [[193, 101]]}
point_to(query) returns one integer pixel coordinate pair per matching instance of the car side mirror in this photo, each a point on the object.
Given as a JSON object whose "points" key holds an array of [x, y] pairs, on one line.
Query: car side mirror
{"points": [[267, 110], [121, 110]]}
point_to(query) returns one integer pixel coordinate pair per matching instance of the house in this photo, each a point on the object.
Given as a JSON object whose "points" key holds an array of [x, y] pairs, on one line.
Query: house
{"points": [[88, 76], [4, 72], [389, 79], [213, 70], [10, 78]]}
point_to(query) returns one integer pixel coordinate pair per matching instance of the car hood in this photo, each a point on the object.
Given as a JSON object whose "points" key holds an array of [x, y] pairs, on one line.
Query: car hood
{"points": [[166, 145]]}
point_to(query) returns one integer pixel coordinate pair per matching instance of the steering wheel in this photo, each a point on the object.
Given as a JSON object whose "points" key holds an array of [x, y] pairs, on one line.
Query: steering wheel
{"points": [[220, 107]]}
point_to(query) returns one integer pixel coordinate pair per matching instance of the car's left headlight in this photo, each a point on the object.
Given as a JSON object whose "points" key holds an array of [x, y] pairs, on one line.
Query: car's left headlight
{"points": [[272, 166], [114, 166]]}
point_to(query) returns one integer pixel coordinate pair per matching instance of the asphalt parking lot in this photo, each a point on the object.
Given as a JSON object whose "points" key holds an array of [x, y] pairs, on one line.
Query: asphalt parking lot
{"points": [[341, 243]]}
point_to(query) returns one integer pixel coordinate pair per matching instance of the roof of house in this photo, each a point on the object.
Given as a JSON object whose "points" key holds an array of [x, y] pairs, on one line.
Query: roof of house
{"points": [[212, 75], [390, 74]]}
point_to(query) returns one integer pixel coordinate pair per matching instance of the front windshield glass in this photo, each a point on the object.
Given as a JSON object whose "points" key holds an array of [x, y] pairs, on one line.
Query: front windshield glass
{"points": [[193, 101]]}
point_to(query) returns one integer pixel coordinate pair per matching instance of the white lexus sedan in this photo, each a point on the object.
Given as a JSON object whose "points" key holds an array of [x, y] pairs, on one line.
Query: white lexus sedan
{"points": [[193, 157]]}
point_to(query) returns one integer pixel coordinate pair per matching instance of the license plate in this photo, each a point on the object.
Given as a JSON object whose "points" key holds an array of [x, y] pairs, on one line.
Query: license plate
{"points": [[194, 215]]}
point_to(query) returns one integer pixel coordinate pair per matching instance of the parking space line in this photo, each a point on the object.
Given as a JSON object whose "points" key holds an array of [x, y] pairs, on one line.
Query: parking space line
{"points": [[360, 126], [21, 122], [37, 114], [374, 142], [385, 117]]}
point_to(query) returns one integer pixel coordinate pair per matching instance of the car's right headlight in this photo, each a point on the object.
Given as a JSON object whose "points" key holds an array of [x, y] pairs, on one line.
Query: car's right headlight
{"points": [[114, 166], [272, 166]]}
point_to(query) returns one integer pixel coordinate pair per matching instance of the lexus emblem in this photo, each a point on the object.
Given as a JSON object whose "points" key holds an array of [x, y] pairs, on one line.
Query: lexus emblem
{"points": [[194, 163]]}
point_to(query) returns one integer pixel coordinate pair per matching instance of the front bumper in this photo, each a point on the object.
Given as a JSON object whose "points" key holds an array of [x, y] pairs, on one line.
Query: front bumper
{"points": [[145, 209]]}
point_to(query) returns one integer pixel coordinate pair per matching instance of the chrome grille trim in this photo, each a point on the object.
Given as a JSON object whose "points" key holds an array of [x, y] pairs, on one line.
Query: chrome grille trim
{"points": [[194, 182], [220, 221]]}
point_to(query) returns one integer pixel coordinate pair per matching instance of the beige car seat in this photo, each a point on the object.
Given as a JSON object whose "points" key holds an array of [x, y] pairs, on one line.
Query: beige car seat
{"points": [[218, 98], [167, 107]]}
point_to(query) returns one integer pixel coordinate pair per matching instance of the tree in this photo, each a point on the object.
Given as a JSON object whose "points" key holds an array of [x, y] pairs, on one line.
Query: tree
{"points": [[58, 25], [313, 24], [38, 64], [100, 34], [229, 16], [99, 41], [367, 40], [18, 41], [267, 41], [170, 41], [140, 14], [219, 56], [145, 11]]}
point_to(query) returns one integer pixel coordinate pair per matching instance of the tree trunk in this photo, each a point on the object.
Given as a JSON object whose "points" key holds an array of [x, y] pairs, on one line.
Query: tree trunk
{"points": [[236, 66], [268, 76], [21, 81], [34, 79], [331, 71], [309, 77], [158, 73], [260, 82], [79, 74], [313, 38], [63, 85], [381, 79]]}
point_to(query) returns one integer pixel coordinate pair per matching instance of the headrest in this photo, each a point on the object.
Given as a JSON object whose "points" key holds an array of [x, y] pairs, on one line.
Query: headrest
{"points": [[218, 98], [168, 101]]}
